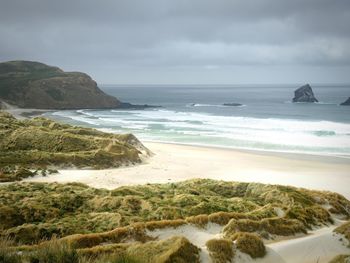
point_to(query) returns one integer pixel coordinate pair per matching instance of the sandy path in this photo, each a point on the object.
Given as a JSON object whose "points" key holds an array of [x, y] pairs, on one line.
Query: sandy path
{"points": [[173, 163]]}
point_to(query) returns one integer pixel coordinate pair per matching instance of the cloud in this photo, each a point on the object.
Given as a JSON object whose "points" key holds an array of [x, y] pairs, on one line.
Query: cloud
{"points": [[158, 37]]}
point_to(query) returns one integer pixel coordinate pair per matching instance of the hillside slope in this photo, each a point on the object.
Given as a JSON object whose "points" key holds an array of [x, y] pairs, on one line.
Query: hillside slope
{"points": [[28, 84]]}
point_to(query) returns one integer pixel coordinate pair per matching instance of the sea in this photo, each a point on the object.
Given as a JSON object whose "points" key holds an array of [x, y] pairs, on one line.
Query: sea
{"points": [[267, 120]]}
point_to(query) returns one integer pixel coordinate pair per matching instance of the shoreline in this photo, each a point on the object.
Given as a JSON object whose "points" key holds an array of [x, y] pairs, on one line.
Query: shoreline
{"points": [[23, 113], [173, 163], [291, 155]]}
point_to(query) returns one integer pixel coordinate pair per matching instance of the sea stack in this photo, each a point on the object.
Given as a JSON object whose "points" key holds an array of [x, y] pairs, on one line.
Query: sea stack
{"points": [[346, 103], [304, 94]]}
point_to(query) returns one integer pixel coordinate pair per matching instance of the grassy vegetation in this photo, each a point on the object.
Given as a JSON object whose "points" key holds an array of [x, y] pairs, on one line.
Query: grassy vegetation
{"points": [[220, 250], [30, 212], [341, 259], [99, 222], [274, 226], [35, 85], [344, 229], [250, 244], [41, 143], [174, 249]]}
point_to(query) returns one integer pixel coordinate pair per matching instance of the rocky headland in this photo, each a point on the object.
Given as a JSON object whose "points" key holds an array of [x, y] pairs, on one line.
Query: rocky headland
{"points": [[28, 84]]}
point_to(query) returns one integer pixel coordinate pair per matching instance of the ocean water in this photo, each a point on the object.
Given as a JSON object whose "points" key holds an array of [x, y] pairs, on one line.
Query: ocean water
{"points": [[267, 120]]}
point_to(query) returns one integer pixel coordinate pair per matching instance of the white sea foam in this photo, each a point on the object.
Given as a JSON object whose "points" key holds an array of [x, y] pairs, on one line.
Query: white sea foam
{"points": [[322, 137]]}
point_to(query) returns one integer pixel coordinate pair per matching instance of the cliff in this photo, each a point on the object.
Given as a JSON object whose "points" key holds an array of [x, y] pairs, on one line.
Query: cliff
{"points": [[29, 84]]}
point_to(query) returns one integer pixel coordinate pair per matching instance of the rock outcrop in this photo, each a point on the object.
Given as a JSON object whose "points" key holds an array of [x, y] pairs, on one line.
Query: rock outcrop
{"points": [[28, 84], [304, 94], [346, 103]]}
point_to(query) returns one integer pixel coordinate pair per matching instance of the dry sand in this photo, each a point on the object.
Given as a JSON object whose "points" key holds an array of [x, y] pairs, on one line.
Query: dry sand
{"points": [[320, 245], [172, 163]]}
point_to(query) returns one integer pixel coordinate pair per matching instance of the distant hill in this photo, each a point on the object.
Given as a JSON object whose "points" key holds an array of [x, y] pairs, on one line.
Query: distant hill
{"points": [[28, 84]]}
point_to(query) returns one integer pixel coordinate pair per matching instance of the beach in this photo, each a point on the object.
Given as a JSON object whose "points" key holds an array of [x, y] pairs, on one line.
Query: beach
{"points": [[174, 162]]}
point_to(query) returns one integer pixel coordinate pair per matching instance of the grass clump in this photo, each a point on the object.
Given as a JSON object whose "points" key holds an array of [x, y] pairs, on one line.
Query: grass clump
{"points": [[220, 250], [274, 226], [341, 259], [174, 249], [344, 229], [54, 251], [250, 244], [7, 254], [11, 174]]}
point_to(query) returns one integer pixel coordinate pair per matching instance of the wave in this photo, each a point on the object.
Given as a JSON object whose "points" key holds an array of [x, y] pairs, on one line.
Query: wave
{"points": [[290, 135], [212, 105]]}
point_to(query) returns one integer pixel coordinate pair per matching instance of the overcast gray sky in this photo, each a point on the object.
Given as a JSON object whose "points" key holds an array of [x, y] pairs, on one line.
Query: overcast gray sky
{"points": [[183, 41]]}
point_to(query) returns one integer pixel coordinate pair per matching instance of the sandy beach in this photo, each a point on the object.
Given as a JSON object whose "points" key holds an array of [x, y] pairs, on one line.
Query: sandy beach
{"points": [[21, 113], [173, 162]]}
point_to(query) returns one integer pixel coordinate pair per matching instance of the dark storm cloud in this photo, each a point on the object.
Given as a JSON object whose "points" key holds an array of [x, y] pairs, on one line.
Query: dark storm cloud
{"points": [[162, 40]]}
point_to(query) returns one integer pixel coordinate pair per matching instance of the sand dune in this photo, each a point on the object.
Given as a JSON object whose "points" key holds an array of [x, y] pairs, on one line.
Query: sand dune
{"points": [[173, 163]]}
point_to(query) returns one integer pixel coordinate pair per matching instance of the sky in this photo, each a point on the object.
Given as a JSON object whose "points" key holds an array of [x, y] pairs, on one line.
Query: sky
{"points": [[183, 41]]}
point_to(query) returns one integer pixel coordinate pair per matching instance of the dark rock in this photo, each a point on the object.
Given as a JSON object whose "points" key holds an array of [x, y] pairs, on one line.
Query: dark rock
{"points": [[233, 104], [304, 94], [346, 103]]}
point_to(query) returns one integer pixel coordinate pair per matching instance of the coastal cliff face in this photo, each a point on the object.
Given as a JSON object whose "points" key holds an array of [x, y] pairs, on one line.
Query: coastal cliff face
{"points": [[29, 84]]}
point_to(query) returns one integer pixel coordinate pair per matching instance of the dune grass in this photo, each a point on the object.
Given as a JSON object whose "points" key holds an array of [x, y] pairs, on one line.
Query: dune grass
{"points": [[344, 229], [98, 223], [40, 143], [341, 259], [30, 212], [250, 244], [220, 250]]}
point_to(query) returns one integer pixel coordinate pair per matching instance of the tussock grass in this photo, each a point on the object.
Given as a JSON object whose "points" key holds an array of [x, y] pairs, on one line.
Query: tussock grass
{"points": [[40, 142], [275, 226], [250, 244], [30, 212], [54, 251], [220, 250], [7, 254], [174, 249], [341, 259], [344, 229]]}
